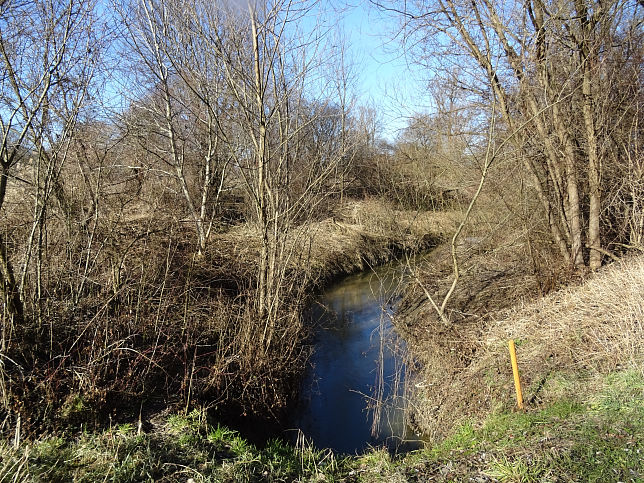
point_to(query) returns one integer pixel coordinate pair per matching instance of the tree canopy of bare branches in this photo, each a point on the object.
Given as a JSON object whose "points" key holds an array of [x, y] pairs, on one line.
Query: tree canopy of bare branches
{"points": [[565, 79]]}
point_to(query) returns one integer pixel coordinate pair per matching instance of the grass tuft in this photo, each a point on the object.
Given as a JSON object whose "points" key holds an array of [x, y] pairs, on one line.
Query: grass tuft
{"points": [[593, 437]]}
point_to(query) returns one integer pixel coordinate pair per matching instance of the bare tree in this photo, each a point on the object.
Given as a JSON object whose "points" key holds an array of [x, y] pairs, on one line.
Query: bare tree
{"points": [[48, 52], [344, 76], [269, 68], [178, 118], [546, 64]]}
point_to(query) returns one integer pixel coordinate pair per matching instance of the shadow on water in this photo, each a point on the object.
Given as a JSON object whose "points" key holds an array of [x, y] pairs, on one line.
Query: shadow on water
{"points": [[352, 397]]}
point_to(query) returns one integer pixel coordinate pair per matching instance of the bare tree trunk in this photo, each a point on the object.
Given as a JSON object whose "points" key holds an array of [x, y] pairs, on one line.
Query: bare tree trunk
{"points": [[553, 220], [588, 59], [264, 280], [9, 288], [573, 214], [594, 181], [4, 177]]}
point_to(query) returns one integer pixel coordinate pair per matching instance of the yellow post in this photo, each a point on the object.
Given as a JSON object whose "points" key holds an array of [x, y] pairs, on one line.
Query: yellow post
{"points": [[515, 372]]}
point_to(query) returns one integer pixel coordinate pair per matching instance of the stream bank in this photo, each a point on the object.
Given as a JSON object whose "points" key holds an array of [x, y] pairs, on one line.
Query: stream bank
{"points": [[352, 396], [490, 283], [463, 372], [360, 236]]}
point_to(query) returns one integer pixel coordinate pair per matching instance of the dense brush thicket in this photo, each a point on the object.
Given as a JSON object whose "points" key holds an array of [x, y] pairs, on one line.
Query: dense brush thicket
{"points": [[164, 216]]}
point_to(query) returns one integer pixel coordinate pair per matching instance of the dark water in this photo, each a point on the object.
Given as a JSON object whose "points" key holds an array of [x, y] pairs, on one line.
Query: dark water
{"points": [[354, 365]]}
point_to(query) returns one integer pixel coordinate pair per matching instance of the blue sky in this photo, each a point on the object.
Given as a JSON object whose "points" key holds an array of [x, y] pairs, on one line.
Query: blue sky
{"points": [[385, 76], [385, 80]]}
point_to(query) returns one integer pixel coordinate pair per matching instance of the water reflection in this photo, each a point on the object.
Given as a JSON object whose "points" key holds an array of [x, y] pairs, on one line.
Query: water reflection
{"points": [[351, 364]]}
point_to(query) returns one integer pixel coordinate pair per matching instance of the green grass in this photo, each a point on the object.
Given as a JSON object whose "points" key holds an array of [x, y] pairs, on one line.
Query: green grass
{"points": [[187, 447], [590, 437]]}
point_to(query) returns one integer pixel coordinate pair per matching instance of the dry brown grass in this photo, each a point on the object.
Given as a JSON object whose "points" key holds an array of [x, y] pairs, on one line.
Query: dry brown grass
{"points": [[598, 325], [582, 331], [360, 234], [368, 232], [378, 216]]}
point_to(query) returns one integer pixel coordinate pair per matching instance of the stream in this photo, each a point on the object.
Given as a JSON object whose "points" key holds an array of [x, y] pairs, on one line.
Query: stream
{"points": [[357, 370]]}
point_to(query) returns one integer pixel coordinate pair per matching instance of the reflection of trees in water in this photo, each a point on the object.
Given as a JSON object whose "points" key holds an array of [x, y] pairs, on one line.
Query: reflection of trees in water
{"points": [[358, 347], [388, 401]]}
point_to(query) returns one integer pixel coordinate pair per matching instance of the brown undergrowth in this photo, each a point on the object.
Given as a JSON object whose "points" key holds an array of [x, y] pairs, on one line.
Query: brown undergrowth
{"points": [[585, 331], [153, 325]]}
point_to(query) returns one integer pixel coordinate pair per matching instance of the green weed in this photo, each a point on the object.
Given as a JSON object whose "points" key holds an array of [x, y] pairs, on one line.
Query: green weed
{"points": [[515, 470], [594, 437]]}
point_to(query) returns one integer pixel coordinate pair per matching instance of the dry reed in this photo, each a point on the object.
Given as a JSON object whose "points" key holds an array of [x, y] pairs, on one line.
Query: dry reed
{"points": [[582, 331]]}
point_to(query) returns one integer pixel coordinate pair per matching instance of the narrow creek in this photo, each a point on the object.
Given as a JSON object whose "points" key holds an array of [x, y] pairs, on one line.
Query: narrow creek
{"points": [[357, 369]]}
